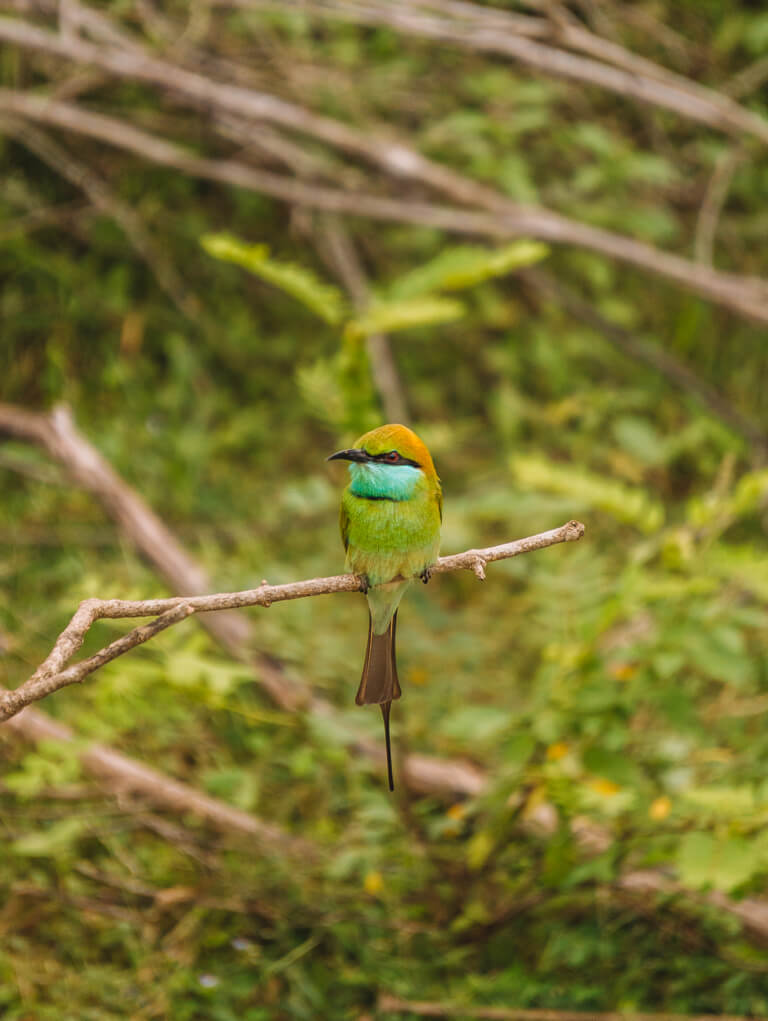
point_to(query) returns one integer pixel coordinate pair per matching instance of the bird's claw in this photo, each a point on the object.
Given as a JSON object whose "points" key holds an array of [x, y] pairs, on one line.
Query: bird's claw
{"points": [[426, 574], [364, 583]]}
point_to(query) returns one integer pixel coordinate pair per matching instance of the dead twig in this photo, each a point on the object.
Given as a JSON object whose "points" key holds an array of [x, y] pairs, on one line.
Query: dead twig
{"points": [[51, 675], [102, 197], [57, 434], [650, 354], [747, 296], [395, 1005], [345, 262], [712, 204], [617, 70], [123, 775]]}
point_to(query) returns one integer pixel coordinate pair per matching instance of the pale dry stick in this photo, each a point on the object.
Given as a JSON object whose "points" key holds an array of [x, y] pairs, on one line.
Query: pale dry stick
{"points": [[51, 675], [749, 79], [137, 65], [423, 773], [713, 202], [57, 434], [123, 775], [43, 216], [98, 192], [342, 254], [395, 158], [655, 356], [131, 60], [664, 90], [752, 912], [556, 25], [747, 296], [395, 1005]]}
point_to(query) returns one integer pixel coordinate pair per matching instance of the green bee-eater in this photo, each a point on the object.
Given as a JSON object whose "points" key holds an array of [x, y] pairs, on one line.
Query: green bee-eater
{"points": [[390, 526]]}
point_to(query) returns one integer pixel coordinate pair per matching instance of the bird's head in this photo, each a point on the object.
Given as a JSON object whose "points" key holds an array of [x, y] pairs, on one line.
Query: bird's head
{"points": [[388, 460]]}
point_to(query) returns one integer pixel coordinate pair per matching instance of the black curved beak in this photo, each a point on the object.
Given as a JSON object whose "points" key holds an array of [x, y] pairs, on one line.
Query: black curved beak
{"points": [[349, 455]]}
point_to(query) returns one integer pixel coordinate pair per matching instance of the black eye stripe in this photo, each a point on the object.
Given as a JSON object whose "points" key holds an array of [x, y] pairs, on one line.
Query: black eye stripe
{"points": [[386, 458]]}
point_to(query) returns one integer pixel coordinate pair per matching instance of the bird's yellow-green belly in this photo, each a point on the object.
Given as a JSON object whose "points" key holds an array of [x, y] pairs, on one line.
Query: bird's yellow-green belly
{"points": [[388, 539]]}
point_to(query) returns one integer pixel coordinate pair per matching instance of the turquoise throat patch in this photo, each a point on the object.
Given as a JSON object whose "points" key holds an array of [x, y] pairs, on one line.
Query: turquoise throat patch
{"points": [[384, 481]]}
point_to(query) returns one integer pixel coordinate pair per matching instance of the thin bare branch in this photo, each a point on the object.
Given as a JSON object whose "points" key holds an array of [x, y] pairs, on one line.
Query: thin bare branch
{"points": [[124, 775], [653, 355], [57, 434], [749, 79], [51, 675], [395, 1005], [102, 197], [747, 296], [386, 379], [491, 34], [429, 774], [752, 912], [713, 202], [41, 217]]}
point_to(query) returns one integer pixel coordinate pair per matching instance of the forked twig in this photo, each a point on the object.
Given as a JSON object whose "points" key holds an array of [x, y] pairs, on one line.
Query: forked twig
{"points": [[54, 674]]}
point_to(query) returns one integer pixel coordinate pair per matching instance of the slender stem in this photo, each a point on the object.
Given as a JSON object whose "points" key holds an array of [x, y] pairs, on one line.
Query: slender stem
{"points": [[51, 675]]}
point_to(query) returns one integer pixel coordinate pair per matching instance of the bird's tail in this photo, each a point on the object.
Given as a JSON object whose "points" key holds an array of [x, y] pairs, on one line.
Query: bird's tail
{"points": [[379, 684]]}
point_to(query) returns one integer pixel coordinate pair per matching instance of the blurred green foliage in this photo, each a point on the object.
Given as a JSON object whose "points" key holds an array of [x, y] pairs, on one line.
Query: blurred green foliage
{"points": [[622, 681]]}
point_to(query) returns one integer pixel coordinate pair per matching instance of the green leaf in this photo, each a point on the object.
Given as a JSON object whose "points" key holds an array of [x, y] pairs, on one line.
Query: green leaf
{"points": [[57, 840], [475, 723], [610, 765], [463, 266], [640, 439], [389, 316], [319, 386], [729, 802], [323, 299], [704, 860], [479, 848], [629, 504]]}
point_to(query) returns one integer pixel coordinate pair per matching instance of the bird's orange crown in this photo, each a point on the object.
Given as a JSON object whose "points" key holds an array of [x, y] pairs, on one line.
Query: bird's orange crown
{"points": [[403, 440]]}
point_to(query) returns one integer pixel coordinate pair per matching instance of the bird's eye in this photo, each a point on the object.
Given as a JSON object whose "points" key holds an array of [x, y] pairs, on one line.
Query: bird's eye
{"points": [[392, 456]]}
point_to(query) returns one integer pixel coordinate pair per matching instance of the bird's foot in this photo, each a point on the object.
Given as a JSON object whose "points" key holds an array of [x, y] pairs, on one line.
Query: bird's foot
{"points": [[426, 574], [364, 583]]}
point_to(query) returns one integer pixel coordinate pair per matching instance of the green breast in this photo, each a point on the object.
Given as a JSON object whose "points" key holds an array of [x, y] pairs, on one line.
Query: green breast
{"points": [[390, 538]]}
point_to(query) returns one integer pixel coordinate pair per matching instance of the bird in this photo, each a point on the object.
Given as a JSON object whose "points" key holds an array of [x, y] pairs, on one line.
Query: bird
{"points": [[391, 514]]}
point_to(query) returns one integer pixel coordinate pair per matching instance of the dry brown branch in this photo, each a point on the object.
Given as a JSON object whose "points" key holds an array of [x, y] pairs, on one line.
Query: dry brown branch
{"points": [[51, 675], [395, 1005], [234, 99], [102, 197], [123, 775], [750, 911], [713, 202], [58, 435], [650, 354], [44, 216], [749, 79], [493, 33], [386, 379], [748, 296]]}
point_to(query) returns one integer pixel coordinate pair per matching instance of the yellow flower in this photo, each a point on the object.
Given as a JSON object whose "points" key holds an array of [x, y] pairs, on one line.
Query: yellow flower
{"points": [[623, 671], [418, 675], [557, 751], [605, 787], [660, 808], [373, 883]]}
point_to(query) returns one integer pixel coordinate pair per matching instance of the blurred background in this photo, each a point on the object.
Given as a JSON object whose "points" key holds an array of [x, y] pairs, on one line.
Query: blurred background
{"points": [[235, 234]]}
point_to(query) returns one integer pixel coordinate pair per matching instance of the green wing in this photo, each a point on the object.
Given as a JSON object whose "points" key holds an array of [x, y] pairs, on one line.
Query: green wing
{"points": [[344, 525]]}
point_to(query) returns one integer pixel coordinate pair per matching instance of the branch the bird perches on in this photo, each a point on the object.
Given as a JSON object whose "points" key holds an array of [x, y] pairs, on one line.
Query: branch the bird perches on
{"points": [[54, 674]]}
